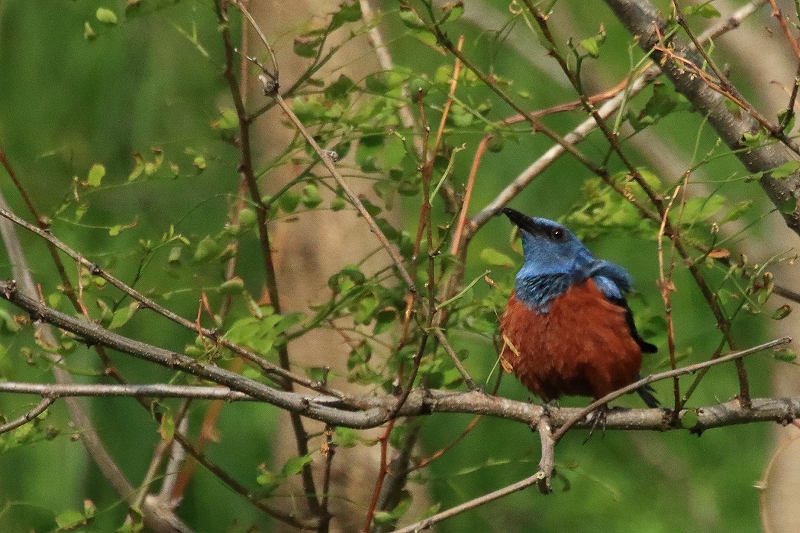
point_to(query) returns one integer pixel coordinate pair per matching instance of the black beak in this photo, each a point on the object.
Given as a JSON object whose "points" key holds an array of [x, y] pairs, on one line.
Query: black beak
{"points": [[523, 222]]}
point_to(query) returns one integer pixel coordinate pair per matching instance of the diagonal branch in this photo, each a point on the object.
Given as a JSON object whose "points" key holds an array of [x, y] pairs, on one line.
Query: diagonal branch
{"points": [[644, 22]]}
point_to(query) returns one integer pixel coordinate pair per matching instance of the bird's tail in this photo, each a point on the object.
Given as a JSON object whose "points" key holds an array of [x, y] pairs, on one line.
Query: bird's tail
{"points": [[647, 394]]}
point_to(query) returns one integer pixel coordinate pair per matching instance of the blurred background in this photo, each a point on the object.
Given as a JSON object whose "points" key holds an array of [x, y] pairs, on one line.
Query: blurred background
{"points": [[77, 89]]}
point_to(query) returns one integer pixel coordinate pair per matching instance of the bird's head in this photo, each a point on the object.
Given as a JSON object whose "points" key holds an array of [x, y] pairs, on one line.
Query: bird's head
{"points": [[548, 247]]}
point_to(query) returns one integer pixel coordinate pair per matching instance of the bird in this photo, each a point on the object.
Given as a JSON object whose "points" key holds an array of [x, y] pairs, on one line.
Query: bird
{"points": [[567, 328]]}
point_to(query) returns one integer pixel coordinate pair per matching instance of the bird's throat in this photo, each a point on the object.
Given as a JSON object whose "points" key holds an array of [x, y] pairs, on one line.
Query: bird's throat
{"points": [[536, 292]]}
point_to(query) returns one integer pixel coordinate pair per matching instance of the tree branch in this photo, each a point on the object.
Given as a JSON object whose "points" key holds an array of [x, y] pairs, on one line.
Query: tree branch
{"points": [[363, 412], [642, 19]]}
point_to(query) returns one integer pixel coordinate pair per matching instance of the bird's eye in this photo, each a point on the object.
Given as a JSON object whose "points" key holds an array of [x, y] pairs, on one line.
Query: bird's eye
{"points": [[557, 234]]}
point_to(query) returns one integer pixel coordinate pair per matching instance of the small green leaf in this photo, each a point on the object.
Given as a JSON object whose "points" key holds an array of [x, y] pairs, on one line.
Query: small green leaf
{"points": [[199, 163], [787, 119], [96, 174], [410, 18], [591, 46], [174, 257], [206, 248], [167, 427], [338, 203], [784, 354], [452, 11], [123, 315], [341, 88], [311, 197], [88, 32], [106, 16], [785, 170], [348, 12], [232, 287], [289, 201], [345, 437], [317, 373], [700, 209], [247, 218], [70, 519], [138, 167], [705, 10], [228, 120], [750, 140], [737, 211], [295, 465], [788, 205], [782, 312], [307, 47]]}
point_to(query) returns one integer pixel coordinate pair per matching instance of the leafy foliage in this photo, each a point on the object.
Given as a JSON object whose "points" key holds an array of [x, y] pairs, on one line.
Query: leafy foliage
{"points": [[146, 176]]}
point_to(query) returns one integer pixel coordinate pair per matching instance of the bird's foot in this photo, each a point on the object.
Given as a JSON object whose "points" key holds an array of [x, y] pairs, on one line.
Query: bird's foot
{"points": [[598, 417]]}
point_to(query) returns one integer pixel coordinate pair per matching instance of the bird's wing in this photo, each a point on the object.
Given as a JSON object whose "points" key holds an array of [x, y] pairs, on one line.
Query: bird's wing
{"points": [[613, 280], [643, 344]]}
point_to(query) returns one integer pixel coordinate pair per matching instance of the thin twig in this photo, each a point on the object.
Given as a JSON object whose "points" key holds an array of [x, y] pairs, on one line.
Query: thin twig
{"points": [[46, 402], [472, 504]]}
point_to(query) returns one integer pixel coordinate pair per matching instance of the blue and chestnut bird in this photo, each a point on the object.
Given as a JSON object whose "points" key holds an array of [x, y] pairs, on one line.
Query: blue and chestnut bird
{"points": [[567, 329]]}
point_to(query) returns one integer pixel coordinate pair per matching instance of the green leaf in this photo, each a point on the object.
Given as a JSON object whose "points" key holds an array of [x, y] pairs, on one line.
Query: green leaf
{"points": [[365, 310], [737, 211], [232, 287], [410, 18], [338, 203], [307, 47], [345, 437], [88, 32], [138, 167], [228, 120], [123, 315], [750, 140], [199, 163], [348, 12], [788, 205], [289, 201], [782, 312], [295, 465], [700, 209], [167, 427], [339, 89], [70, 519], [784, 354], [785, 170], [496, 258], [247, 218], [452, 11], [592, 46], [206, 248], [782, 119], [317, 373], [704, 10], [311, 197], [106, 16], [96, 174]]}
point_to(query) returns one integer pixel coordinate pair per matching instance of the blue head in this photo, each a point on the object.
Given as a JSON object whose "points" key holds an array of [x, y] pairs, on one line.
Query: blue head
{"points": [[555, 259]]}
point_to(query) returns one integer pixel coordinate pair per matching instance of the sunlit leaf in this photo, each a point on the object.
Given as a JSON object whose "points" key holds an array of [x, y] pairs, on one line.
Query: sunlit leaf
{"points": [[96, 174], [106, 16]]}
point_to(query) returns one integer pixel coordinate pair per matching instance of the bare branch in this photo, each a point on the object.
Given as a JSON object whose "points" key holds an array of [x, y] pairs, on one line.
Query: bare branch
{"points": [[29, 416]]}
